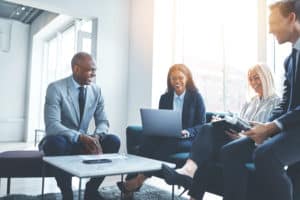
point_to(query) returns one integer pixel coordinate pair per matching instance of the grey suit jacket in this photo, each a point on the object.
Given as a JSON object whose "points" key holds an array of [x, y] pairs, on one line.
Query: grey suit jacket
{"points": [[62, 110]]}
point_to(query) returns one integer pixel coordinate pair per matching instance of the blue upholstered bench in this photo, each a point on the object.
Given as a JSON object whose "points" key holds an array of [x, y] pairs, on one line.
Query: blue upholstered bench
{"points": [[134, 139], [21, 164]]}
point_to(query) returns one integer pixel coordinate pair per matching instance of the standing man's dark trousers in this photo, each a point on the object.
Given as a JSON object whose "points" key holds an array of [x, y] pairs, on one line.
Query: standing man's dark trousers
{"points": [[60, 145], [269, 158], [207, 144], [205, 152]]}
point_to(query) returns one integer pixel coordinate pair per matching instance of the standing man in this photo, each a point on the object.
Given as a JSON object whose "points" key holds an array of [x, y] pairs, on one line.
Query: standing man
{"points": [[275, 144], [70, 105]]}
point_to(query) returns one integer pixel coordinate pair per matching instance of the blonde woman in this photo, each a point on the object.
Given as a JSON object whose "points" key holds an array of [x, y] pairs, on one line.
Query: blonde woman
{"points": [[209, 140]]}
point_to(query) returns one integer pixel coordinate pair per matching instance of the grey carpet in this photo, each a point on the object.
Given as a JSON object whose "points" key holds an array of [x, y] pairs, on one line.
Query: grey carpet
{"points": [[109, 193]]}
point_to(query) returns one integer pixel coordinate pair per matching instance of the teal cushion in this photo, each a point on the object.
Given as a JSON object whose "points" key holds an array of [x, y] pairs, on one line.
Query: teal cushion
{"points": [[179, 158]]}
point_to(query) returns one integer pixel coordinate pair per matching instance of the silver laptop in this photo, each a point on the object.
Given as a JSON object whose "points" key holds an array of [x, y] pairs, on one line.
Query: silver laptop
{"points": [[159, 122]]}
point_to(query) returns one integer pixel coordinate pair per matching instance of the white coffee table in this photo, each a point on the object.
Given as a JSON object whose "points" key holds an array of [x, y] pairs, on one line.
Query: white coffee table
{"points": [[120, 165]]}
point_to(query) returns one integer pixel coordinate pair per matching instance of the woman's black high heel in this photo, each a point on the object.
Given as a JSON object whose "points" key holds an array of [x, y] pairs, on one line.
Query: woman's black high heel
{"points": [[123, 189], [174, 178], [128, 194]]}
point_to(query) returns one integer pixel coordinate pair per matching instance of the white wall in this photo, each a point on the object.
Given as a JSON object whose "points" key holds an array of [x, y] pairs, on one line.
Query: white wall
{"points": [[151, 54], [112, 58], [13, 84], [40, 22], [140, 58]]}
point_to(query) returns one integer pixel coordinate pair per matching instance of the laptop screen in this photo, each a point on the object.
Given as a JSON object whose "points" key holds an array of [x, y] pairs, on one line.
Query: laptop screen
{"points": [[160, 122]]}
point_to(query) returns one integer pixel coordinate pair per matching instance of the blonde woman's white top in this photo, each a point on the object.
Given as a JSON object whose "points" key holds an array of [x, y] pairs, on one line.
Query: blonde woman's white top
{"points": [[259, 109]]}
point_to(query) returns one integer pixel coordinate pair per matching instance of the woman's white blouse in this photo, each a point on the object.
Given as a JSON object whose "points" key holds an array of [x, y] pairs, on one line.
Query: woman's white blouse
{"points": [[259, 109]]}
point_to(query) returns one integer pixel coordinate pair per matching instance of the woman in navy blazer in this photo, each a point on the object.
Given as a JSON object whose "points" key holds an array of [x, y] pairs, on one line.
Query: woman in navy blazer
{"points": [[183, 96], [193, 111]]}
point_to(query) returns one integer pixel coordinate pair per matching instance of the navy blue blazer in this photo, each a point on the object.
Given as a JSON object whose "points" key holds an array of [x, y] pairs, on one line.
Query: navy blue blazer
{"points": [[288, 111], [193, 111]]}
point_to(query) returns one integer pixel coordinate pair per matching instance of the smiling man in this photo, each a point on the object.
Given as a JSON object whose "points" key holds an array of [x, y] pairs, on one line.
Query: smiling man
{"points": [[70, 105], [275, 144]]}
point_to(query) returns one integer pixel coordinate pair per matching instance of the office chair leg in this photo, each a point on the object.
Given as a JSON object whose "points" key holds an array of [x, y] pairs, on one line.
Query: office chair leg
{"points": [[8, 186], [173, 192], [182, 192], [43, 187]]}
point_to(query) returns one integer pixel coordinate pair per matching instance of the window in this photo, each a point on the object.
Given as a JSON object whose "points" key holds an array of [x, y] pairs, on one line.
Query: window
{"points": [[67, 49], [85, 36], [58, 52], [276, 55], [218, 42]]}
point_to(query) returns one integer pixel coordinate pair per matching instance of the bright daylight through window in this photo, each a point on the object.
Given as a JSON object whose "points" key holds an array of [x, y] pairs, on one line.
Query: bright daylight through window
{"points": [[218, 41]]}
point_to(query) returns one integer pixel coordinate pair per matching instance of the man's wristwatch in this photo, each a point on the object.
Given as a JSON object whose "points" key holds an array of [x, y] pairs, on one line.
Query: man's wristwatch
{"points": [[100, 136]]}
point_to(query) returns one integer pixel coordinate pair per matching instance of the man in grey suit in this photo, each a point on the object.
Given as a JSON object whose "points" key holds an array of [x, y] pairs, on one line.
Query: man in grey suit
{"points": [[70, 105]]}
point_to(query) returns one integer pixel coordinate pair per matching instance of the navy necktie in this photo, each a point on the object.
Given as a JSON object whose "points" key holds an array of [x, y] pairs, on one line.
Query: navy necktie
{"points": [[81, 100], [295, 63], [294, 55]]}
